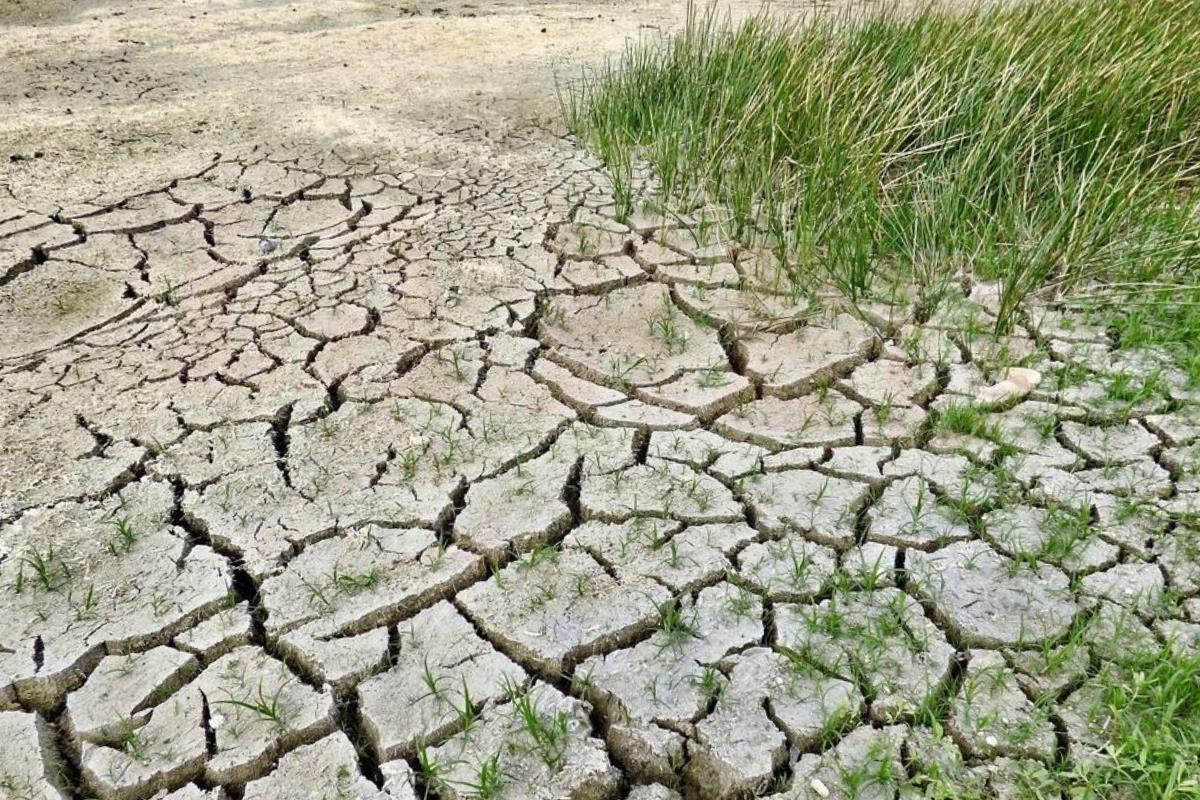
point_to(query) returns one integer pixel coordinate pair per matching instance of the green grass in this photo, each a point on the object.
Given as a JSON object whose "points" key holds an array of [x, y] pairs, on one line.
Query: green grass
{"points": [[1154, 733], [1149, 707], [1168, 317], [1051, 144]]}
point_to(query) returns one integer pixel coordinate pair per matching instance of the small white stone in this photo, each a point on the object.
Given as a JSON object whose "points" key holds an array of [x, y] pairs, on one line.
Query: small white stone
{"points": [[819, 787], [1018, 382], [991, 740]]}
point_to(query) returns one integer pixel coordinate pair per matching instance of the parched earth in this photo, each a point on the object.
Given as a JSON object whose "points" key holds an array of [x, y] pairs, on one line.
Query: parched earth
{"points": [[380, 475]]}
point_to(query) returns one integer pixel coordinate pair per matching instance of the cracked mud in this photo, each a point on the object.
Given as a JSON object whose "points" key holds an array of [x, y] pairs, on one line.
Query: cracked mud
{"points": [[327, 475]]}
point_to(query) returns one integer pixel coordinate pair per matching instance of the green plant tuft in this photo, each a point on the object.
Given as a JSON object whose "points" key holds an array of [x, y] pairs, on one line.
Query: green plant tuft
{"points": [[1050, 145]]}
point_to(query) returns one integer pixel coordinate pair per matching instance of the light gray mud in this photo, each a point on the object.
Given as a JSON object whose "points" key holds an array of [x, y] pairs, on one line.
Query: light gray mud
{"points": [[352, 448]]}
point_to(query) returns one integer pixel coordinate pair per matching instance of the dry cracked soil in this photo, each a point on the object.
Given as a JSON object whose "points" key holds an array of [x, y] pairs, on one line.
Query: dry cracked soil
{"points": [[351, 448]]}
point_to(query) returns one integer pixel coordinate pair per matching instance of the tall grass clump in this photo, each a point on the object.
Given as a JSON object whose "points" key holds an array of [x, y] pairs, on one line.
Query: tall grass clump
{"points": [[1050, 144]]}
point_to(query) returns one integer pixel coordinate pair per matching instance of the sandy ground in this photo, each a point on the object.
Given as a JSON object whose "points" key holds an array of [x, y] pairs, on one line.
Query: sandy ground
{"points": [[98, 97]]}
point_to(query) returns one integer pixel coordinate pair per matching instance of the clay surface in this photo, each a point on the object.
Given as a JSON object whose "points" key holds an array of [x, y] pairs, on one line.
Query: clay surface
{"points": [[350, 446]]}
